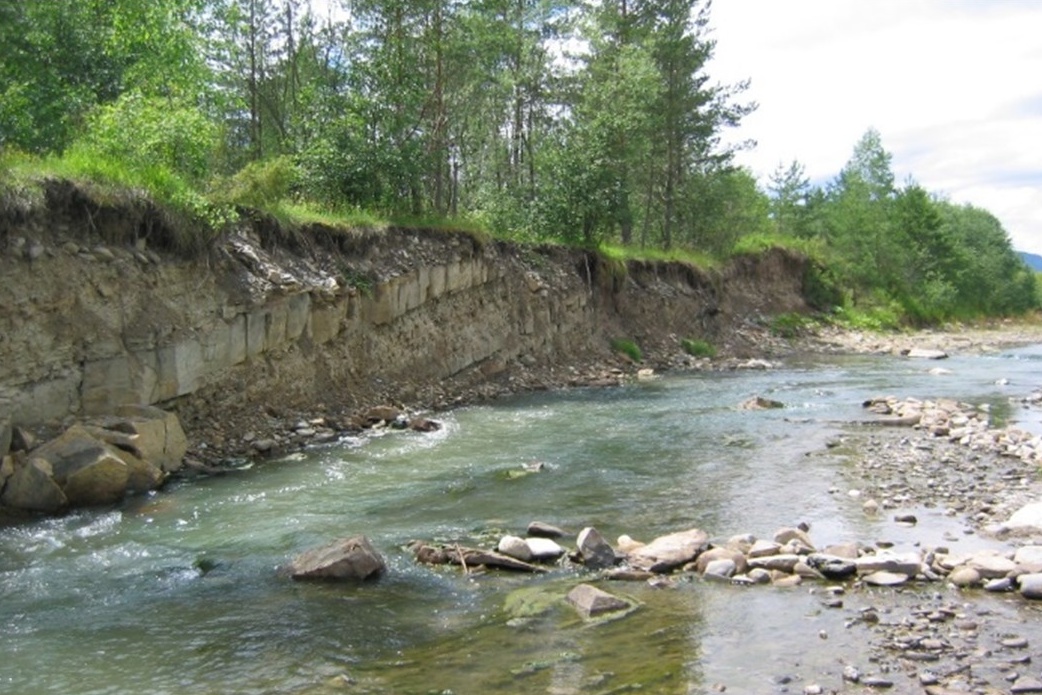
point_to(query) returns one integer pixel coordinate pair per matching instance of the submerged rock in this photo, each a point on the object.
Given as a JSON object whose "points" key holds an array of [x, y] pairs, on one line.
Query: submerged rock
{"points": [[543, 530], [760, 403], [591, 602]]}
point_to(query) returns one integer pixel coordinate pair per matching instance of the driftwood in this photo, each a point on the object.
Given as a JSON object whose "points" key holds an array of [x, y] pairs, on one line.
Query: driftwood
{"points": [[470, 558]]}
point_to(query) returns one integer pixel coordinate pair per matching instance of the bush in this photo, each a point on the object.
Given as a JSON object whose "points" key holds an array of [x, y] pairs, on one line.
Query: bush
{"points": [[698, 348], [153, 133], [260, 185], [628, 348]]}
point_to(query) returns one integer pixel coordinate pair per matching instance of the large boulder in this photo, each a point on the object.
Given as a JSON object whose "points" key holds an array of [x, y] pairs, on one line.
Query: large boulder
{"points": [[31, 487], [88, 471], [154, 435], [671, 551], [348, 559]]}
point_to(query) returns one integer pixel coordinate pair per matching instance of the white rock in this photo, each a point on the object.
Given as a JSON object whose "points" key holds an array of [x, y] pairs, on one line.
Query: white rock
{"points": [[1030, 585], [515, 547], [544, 549], [1028, 516], [1028, 555]]}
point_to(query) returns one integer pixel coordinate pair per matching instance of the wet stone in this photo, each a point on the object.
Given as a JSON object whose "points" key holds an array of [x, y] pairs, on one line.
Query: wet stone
{"points": [[1027, 685], [1014, 642]]}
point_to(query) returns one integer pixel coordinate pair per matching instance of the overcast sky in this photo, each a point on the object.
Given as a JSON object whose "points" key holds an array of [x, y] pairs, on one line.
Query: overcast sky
{"points": [[953, 86]]}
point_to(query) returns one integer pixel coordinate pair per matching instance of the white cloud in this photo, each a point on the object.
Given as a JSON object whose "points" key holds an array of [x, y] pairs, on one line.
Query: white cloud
{"points": [[950, 85]]}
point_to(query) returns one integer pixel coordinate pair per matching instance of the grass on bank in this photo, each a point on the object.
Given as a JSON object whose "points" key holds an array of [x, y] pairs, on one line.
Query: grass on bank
{"points": [[198, 212], [627, 347]]}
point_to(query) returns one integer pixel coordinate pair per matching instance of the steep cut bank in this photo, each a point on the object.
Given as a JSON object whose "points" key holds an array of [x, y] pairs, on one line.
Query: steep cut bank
{"points": [[98, 311]]}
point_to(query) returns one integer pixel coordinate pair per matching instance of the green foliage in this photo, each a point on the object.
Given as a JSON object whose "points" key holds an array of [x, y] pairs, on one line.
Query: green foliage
{"points": [[821, 288], [628, 348], [791, 325], [465, 116], [698, 348], [19, 193], [147, 133], [876, 318], [262, 184], [675, 255], [756, 244]]}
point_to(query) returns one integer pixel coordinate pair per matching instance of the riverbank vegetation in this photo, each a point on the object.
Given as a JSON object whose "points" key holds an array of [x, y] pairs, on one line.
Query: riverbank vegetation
{"points": [[537, 120]]}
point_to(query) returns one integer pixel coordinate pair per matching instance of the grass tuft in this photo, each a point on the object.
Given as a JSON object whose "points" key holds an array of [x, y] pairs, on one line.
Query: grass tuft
{"points": [[698, 348], [628, 348]]}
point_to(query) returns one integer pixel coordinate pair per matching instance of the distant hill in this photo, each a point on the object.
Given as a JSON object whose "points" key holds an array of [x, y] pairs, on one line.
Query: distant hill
{"points": [[1033, 260]]}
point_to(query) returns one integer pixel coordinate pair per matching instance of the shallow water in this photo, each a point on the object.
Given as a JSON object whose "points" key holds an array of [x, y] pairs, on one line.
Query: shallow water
{"points": [[113, 601]]}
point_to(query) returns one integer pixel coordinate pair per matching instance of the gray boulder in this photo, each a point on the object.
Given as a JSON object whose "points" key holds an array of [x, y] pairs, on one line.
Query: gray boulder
{"points": [[722, 553], [594, 551], [348, 559], [720, 569], [31, 487], [884, 578], [89, 471], [591, 602], [670, 551], [763, 548], [787, 535], [965, 576], [832, 566], [779, 563], [1030, 585], [157, 435], [908, 564], [991, 565], [541, 529]]}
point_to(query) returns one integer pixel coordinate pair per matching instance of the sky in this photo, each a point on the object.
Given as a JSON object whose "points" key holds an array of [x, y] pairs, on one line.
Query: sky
{"points": [[954, 88]]}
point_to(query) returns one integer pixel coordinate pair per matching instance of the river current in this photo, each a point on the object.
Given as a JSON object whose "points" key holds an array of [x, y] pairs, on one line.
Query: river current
{"points": [[177, 592]]}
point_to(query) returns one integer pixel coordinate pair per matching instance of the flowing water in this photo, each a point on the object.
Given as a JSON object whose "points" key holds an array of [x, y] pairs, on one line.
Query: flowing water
{"points": [[177, 592]]}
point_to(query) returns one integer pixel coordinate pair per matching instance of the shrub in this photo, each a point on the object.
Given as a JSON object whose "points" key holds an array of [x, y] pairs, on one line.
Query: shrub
{"points": [[698, 348], [628, 348], [153, 133], [260, 185]]}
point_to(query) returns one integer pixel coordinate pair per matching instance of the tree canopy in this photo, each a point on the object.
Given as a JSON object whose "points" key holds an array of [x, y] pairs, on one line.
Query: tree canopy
{"points": [[584, 121]]}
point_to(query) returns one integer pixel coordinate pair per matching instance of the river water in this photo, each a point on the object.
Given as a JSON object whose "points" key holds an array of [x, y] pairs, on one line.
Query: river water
{"points": [[177, 592]]}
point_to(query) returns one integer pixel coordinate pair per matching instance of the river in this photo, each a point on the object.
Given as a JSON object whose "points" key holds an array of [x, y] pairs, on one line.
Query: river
{"points": [[176, 592]]}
